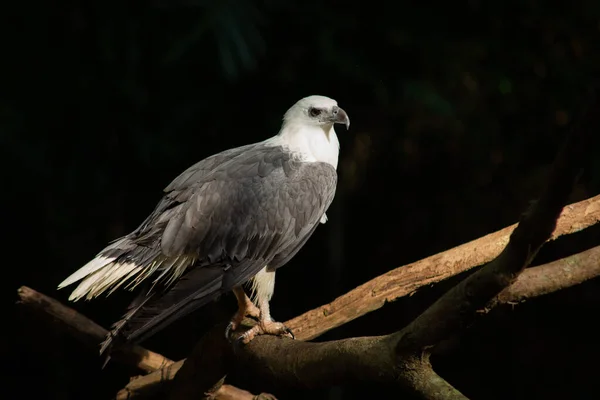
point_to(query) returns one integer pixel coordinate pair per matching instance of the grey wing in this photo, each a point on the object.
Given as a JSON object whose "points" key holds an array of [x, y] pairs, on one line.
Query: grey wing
{"points": [[198, 171], [180, 190], [132, 259], [242, 216]]}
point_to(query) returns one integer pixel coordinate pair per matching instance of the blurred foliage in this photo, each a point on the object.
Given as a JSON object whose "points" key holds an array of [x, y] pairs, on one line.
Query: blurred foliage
{"points": [[457, 109]]}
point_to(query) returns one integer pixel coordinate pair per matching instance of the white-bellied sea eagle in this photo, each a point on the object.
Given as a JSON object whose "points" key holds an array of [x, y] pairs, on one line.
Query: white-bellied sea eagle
{"points": [[231, 218]]}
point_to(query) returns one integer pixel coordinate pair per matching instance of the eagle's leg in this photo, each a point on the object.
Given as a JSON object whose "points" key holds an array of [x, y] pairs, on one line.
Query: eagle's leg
{"points": [[246, 308], [265, 325], [263, 287]]}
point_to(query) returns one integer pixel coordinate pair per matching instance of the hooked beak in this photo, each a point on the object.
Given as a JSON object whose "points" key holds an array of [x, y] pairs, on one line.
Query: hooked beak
{"points": [[339, 116]]}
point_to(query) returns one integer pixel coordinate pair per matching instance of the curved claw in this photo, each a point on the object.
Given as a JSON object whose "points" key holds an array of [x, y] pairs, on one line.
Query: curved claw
{"points": [[247, 336], [238, 343], [290, 333], [230, 328]]}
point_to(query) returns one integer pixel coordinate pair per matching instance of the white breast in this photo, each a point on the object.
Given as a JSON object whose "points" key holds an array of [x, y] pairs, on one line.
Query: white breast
{"points": [[312, 143]]}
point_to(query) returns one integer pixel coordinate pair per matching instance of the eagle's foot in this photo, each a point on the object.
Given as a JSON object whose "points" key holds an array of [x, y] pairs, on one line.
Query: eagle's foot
{"points": [[246, 308], [266, 327], [238, 318]]}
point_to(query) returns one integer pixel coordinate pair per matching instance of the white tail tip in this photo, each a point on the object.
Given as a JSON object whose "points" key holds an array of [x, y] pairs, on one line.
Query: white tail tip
{"points": [[88, 269]]}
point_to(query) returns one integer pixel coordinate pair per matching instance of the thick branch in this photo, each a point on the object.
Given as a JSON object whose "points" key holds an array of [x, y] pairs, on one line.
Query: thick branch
{"points": [[405, 280], [298, 364], [293, 363], [290, 363], [89, 332]]}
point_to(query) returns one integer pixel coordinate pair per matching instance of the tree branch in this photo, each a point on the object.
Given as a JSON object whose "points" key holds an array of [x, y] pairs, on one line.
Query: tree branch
{"points": [[157, 382], [551, 277], [458, 307], [89, 332], [228, 392], [406, 279], [92, 334], [533, 282]]}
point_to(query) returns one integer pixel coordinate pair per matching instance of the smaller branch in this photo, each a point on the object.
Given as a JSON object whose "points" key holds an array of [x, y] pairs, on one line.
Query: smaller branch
{"points": [[551, 277], [89, 332], [159, 380], [538, 281], [228, 392], [156, 382]]}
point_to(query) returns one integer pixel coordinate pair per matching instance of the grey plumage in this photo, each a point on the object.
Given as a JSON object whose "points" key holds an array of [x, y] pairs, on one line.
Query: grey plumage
{"points": [[232, 213], [255, 209]]}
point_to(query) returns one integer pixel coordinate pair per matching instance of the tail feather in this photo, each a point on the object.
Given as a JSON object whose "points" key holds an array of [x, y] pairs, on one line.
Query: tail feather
{"points": [[115, 332], [94, 265], [110, 276], [135, 281], [195, 288], [154, 308], [173, 286], [121, 262]]}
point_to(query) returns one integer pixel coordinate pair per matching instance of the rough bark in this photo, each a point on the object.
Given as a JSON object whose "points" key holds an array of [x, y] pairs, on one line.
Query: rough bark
{"points": [[551, 277]]}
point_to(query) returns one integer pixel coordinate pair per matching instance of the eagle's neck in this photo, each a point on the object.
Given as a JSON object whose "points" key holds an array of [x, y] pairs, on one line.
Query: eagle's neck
{"points": [[313, 143]]}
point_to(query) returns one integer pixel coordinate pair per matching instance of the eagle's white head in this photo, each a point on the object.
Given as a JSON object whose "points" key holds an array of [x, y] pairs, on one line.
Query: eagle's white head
{"points": [[308, 129], [318, 111]]}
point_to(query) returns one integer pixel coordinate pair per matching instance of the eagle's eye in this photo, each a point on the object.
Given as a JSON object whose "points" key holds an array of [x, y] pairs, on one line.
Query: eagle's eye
{"points": [[314, 112]]}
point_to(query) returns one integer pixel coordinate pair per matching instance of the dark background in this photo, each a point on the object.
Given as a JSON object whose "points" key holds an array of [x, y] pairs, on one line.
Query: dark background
{"points": [[457, 110]]}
